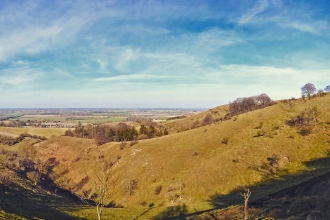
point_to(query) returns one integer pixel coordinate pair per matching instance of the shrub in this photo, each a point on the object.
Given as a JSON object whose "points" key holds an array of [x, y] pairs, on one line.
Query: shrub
{"points": [[305, 121], [208, 119], [158, 190], [259, 126], [100, 138], [225, 140], [143, 203], [235, 161]]}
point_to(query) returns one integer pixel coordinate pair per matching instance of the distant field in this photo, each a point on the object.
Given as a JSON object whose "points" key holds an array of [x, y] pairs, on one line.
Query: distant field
{"points": [[8, 134], [42, 118], [82, 119], [47, 132]]}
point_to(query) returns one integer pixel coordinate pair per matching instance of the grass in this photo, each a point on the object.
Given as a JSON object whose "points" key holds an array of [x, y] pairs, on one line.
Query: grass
{"points": [[47, 132], [185, 124], [199, 160]]}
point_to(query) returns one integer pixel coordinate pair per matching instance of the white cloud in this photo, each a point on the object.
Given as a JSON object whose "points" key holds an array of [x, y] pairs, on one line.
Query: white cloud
{"points": [[260, 6], [130, 78], [313, 27]]}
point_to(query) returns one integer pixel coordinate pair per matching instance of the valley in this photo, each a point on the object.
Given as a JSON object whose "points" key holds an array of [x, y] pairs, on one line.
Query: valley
{"points": [[195, 172]]}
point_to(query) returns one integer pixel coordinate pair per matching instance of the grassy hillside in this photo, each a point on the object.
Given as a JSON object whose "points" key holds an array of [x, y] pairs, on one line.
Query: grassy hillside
{"points": [[179, 125], [197, 164], [199, 169]]}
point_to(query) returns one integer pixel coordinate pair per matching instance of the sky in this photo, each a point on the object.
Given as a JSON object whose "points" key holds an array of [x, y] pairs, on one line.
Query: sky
{"points": [[159, 54]]}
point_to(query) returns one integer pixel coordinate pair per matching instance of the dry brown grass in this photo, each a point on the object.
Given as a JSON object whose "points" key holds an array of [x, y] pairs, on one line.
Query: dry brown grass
{"points": [[197, 158], [47, 132], [190, 122]]}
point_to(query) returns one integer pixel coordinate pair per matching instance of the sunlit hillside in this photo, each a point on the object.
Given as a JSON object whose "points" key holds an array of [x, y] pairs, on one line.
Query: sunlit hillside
{"points": [[201, 168]]}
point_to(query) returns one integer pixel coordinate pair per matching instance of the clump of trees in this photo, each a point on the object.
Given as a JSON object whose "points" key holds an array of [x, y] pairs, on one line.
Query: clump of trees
{"points": [[246, 104], [13, 124], [119, 133]]}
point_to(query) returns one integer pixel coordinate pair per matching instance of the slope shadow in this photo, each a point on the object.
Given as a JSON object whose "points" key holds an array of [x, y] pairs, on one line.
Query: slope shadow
{"points": [[173, 212], [277, 186], [35, 203]]}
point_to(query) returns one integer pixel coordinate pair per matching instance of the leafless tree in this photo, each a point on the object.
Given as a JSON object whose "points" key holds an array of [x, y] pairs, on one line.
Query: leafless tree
{"points": [[262, 99], [246, 195], [101, 189], [308, 90]]}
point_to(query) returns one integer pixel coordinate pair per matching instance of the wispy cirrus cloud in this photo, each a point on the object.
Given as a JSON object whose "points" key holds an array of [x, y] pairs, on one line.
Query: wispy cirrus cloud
{"points": [[313, 27], [259, 7]]}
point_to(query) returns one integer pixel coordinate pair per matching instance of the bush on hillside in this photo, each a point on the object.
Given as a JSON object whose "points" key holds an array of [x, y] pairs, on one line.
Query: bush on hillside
{"points": [[225, 140], [158, 190], [208, 119], [305, 121]]}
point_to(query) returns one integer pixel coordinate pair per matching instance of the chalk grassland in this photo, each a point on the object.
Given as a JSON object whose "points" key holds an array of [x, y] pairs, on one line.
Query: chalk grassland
{"points": [[202, 169], [198, 159], [178, 125]]}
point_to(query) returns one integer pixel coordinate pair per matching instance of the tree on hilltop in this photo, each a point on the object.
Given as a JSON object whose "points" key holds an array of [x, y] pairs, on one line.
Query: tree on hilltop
{"points": [[327, 89], [308, 90]]}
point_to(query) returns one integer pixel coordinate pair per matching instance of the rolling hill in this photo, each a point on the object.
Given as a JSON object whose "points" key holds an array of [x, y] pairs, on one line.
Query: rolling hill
{"points": [[196, 172]]}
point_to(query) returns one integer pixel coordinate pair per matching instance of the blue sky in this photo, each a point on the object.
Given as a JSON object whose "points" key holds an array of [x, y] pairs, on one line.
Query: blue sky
{"points": [[159, 53]]}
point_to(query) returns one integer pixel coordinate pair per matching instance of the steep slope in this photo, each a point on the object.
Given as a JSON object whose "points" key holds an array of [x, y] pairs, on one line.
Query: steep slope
{"points": [[195, 120], [21, 199], [197, 167]]}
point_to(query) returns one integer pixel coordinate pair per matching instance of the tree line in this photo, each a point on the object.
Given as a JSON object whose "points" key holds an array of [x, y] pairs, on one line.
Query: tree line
{"points": [[15, 124], [246, 104], [122, 132]]}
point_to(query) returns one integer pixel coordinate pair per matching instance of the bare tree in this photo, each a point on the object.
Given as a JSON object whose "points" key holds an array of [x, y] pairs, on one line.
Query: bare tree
{"points": [[308, 90], [101, 187], [246, 195], [262, 99]]}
